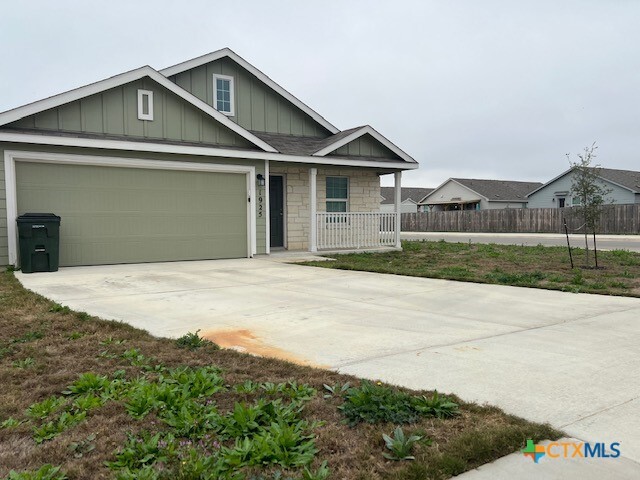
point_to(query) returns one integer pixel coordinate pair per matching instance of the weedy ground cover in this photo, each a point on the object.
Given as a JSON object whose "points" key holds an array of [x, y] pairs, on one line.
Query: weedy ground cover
{"points": [[86, 398]]}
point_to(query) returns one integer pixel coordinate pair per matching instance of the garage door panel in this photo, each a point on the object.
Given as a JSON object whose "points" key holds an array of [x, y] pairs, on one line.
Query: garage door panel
{"points": [[128, 215]]}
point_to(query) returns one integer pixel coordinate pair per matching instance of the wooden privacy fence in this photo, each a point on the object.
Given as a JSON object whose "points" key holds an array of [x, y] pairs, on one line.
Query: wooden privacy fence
{"points": [[615, 219]]}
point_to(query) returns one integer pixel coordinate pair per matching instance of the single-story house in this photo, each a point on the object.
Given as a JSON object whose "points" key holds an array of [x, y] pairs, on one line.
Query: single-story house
{"points": [[556, 193], [410, 197], [207, 159], [478, 194]]}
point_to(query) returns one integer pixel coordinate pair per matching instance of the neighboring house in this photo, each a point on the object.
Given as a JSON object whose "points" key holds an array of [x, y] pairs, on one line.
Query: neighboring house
{"points": [[478, 194], [410, 197], [207, 159], [624, 186]]}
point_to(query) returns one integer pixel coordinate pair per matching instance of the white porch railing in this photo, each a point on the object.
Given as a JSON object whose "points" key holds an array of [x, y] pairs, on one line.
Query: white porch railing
{"points": [[355, 230]]}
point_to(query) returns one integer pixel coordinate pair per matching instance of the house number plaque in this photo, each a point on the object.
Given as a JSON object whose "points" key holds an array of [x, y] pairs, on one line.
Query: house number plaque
{"points": [[260, 203]]}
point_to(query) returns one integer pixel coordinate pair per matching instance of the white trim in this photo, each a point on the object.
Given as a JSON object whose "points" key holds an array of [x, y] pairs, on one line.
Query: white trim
{"points": [[227, 52], [230, 113], [397, 183], [141, 114], [128, 77], [267, 207], [193, 150], [11, 156], [367, 129], [313, 207], [251, 212]]}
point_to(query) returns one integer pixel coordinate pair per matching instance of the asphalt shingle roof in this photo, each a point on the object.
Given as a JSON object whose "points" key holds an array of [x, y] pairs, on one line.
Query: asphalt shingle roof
{"points": [[298, 145], [500, 190], [626, 178], [414, 193]]}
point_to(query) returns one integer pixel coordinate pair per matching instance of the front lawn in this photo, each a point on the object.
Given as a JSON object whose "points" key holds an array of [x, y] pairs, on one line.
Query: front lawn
{"points": [[539, 267], [84, 398]]}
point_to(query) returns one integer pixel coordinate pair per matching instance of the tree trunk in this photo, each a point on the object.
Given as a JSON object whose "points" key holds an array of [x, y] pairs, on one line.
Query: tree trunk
{"points": [[586, 241]]}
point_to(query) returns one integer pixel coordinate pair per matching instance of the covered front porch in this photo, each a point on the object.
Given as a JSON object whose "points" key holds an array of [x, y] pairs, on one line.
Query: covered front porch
{"points": [[321, 208]]}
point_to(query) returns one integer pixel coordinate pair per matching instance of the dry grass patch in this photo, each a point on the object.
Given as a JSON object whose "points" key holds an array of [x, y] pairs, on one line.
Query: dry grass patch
{"points": [[106, 368], [537, 267]]}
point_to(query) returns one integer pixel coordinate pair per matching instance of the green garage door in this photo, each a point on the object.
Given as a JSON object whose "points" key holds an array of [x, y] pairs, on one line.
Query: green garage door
{"points": [[130, 215]]}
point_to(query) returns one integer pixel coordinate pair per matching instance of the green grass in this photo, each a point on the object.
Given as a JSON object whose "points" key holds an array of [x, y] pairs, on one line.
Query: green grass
{"points": [[536, 267], [87, 398]]}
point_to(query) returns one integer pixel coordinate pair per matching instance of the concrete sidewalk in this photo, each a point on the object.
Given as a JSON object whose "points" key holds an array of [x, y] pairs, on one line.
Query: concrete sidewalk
{"points": [[568, 359], [513, 467]]}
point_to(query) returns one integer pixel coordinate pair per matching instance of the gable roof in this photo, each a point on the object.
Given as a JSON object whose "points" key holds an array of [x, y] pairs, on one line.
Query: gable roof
{"points": [[298, 145], [627, 179], [320, 147], [289, 147], [415, 194], [121, 79], [227, 52], [494, 190], [356, 133]]}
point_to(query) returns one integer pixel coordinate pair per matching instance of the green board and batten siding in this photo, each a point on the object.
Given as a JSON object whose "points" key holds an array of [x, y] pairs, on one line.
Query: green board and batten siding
{"points": [[259, 166], [365, 146], [257, 106], [115, 112], [4, 256]]}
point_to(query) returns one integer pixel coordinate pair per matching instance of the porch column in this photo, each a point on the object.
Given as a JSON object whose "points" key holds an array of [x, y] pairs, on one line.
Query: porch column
{"points": [[397, 177], [313, 225]]}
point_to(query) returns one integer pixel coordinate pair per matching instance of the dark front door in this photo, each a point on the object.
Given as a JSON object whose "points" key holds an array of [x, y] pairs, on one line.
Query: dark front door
{"points": [[276, 210]]}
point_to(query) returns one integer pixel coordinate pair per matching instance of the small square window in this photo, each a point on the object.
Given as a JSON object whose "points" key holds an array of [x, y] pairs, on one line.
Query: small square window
{"points": [[145, 105], [223, 94]]}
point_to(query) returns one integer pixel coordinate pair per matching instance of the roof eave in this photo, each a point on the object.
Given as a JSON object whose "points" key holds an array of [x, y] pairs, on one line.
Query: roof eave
{"points": [[108, 144]]}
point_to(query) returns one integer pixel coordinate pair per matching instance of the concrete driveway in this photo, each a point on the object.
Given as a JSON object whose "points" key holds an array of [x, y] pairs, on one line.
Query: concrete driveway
{"points": [[567, 359]]}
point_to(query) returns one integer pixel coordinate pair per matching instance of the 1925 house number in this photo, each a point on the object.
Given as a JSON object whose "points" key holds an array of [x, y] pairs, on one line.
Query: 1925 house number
{"points": [[260, 203]]}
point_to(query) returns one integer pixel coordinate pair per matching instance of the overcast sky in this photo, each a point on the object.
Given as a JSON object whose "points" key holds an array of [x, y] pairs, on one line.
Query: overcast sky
{"points": [[482, 89]]}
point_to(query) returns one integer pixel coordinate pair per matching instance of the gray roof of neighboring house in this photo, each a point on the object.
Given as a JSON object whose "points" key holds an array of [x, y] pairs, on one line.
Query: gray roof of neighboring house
{"points": [[408, 193], [499, 190], [299, 145], [626, 178]]}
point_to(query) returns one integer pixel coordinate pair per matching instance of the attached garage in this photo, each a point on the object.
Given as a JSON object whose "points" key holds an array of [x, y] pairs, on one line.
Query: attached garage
{"points": [[131, 211]]}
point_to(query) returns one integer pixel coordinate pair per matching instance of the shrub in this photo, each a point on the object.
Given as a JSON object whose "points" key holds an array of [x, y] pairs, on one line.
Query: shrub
{"points": [[373, 403], [193, 341], [377, 403], [436, 406], [45, 472], [401, 446]]}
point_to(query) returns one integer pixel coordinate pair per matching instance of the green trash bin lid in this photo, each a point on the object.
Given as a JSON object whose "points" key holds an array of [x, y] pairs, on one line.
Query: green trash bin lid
{"points": [[38, 218]]}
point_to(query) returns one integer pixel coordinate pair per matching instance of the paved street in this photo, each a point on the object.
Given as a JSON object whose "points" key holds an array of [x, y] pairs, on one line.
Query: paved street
{"points": [[605, 242]]}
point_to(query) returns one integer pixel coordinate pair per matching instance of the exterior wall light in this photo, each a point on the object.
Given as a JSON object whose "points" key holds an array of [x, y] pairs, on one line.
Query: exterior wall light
{"points": [[260, 180]]}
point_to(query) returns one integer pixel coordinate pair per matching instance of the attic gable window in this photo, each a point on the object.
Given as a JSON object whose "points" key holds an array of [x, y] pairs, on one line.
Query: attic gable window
{"points": [[145, 105], [223, 99]]}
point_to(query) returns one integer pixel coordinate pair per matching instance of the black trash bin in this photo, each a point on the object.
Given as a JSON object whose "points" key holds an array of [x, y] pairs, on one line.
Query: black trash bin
{"points": [[39, 235]]}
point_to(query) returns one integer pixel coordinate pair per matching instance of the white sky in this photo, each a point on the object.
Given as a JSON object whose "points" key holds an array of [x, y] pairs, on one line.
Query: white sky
{"points": [[483, 89]]}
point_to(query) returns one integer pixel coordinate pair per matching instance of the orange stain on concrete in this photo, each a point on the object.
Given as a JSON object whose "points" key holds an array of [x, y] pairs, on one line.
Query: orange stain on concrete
{"points": [[244, 340]]}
